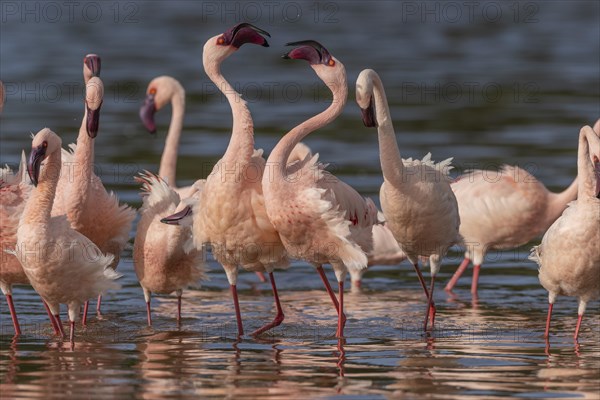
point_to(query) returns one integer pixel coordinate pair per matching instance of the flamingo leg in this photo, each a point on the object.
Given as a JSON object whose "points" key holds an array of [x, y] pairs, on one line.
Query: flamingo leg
{"points": [[328, 287], [278, 317], [86, 305], [547, 333], [238, 315], [430, 306], [424, 286], [59, 323], [72, 335], [475, 280], [52, 320], [579, 318], [179, 308], [461, 269], [341, 315], [13, 314], [98, 304], [148, 313], [261, 276]]}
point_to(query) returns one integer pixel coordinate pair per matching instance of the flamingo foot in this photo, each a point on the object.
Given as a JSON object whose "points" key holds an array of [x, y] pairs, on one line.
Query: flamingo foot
{"points": [[238, 314], [461, 269], [86, 305], [475, 280], [279, 317], [430, 307], [148, 314], [547, 332], [13, 314]]}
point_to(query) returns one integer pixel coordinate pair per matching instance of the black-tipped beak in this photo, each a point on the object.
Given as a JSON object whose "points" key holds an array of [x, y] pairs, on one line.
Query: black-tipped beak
{"points": [[35, 162], [92, 61], [368, 115], [247, 33], [147, 113], [93, 121], [175, 218]]}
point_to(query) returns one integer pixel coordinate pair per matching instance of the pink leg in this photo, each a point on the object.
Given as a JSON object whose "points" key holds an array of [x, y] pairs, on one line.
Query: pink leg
{"points": [[178, 309], [148, 313], [430, 306], [357, 284], [238, 315], [341, 315], [328, 287], [424, 286], [52, 320], [72, 335], [59, 323], [13, 314], [86, 305], [278, 317], [475, 280], [579, 318], [98, 304], [261, 276], [547, 333], [461, 269]]}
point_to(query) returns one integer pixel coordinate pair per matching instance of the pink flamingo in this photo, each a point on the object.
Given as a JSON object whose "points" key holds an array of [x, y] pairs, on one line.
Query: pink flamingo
{"points": [[419, 206], [320, 219], [161, 263], [92, 210], [231, 216], [62, 265], [502, 211], [569, 255]]}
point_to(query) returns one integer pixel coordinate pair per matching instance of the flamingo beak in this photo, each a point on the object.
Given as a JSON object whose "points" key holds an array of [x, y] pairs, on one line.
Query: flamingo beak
{"points": [[246, 33], [92, 61], [35, 162], [93, 121], [368, 115], [177, 217], [147, 113]]}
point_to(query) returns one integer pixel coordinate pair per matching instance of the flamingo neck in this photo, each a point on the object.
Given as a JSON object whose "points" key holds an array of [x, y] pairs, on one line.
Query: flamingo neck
{"points": [[168, 161], [558, 202], [80, 173], [389, 154], [585, 169], [241, 144], [280, 154], [39, 206]]}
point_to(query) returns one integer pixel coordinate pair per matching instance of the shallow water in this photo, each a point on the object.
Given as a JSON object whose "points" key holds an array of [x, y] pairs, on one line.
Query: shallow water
{"points": [[512, 87]]}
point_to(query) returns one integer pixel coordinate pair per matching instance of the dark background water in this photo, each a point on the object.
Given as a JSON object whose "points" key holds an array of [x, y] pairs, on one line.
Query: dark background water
{"points": [[484, 82]]}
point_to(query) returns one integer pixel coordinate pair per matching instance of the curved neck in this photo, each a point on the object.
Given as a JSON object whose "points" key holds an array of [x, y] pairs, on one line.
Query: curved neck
{"points": [[80, 172], [389, 154], [241, 144], [585, 169], [168, 161], [558, 201], [280, 154], [39, 206]]}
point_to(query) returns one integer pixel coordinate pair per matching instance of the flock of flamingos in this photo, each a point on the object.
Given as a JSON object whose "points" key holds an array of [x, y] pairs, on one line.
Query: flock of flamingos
{"points": [[63, 233]]}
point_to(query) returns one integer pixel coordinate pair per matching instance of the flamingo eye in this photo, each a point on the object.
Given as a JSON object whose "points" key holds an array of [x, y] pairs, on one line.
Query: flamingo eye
{"points": [[45, 144], [331, 63], [152, 91], [220, 40]]}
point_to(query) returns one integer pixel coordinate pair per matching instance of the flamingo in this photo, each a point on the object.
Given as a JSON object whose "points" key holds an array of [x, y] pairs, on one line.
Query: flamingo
{"points": [[416, 198], [569, 255], [92, 210], [503, 213], [62, 265], [231, 215], [161, 263], [320, 219]]}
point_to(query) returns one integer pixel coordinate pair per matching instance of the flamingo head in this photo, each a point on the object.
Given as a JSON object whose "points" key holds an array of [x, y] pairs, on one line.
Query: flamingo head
{"points": [[328, 68], [364, 97], [94, 94], [222, 46], [44, 143], [161, 90], [368, 114], [91, 66]]}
